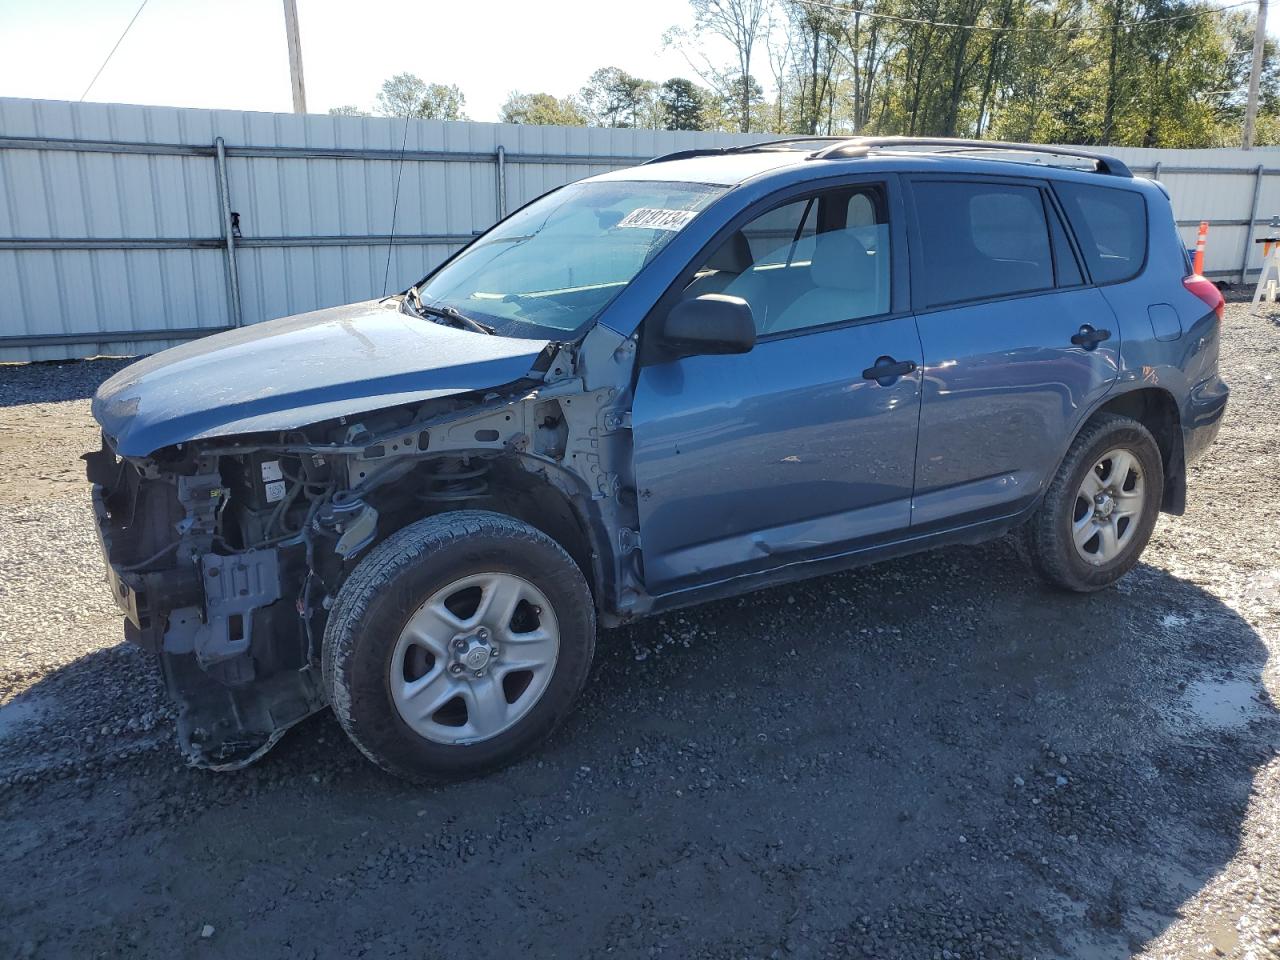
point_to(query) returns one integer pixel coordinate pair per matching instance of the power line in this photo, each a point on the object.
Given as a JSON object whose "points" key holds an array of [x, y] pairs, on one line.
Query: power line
{"points": [[395, 204], [113, 51], [1122, 25]]}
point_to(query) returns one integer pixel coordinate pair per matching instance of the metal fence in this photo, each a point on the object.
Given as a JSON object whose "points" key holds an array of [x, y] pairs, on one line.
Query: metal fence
{"points": [[127, 229]]}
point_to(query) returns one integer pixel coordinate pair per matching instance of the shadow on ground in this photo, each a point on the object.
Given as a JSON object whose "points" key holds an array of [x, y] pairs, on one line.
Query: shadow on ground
{"points": [[933, 757], [56, 381]]}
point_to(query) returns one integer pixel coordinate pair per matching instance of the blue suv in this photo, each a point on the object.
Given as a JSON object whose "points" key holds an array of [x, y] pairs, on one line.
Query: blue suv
{"points": [[716, 371]]}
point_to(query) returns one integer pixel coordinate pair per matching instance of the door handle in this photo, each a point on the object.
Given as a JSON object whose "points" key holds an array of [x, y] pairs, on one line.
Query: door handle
{"points": [[1088, 337], [886, 370]]}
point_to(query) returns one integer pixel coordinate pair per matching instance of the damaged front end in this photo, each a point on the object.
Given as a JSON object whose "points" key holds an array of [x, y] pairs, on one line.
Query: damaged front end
{"points": [[226, 553], [213, 589]]}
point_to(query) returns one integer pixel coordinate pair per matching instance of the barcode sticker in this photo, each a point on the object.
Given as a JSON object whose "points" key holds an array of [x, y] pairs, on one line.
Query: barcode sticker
{"points": [[651, 218]]}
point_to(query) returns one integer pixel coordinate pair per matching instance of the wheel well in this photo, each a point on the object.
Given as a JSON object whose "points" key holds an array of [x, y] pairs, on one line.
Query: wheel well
{"points": [[500, 484], [1156, 410], [527, 497]]}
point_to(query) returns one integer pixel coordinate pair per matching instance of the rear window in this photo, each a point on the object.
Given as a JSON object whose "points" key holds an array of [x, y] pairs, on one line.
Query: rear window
{"points": [[982, 240], [1111, 226]]}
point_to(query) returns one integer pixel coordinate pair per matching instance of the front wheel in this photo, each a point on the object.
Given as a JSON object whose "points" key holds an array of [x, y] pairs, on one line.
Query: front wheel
{"points": [[458, 644], [1101, 507]]}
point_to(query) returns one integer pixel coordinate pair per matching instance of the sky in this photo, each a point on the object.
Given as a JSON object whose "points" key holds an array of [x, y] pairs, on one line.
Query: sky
{"points": [[232, 54]]}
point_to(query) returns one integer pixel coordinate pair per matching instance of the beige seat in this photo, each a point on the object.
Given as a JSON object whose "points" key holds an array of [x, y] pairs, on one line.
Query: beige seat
{"points": [[844, 287], [730, 261]]}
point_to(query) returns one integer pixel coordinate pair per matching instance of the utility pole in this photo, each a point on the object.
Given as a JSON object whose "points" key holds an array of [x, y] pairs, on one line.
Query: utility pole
{"points": [[295, 56], [1255, 75]]}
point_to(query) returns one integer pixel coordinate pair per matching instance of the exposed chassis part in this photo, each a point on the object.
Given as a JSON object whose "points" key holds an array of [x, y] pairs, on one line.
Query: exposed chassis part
{"points": [[198, 610]]}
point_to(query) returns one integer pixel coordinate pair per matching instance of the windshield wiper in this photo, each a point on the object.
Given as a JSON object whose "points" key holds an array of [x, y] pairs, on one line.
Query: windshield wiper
{"points": [[449, 314]]}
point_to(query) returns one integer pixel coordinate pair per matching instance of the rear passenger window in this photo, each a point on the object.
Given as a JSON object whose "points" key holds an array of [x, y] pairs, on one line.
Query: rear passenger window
{"points": [[982, 240], [1111, 226]]}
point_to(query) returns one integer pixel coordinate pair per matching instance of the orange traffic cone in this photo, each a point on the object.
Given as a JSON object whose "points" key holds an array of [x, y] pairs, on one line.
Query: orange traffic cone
{"points": [[1197, 266]]}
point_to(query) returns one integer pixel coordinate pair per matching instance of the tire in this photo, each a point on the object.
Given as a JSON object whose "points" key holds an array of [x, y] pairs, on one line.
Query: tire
{"points": [[414, 589], [1049, 539]]}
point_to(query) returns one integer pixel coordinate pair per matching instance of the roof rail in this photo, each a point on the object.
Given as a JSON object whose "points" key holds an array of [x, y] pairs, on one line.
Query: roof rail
{"points": [[861, 146], [762, 146], [685, 155]]}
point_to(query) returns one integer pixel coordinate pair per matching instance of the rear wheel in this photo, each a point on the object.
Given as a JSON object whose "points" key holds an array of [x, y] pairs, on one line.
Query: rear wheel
{"points": [[1101, 507], [457, 645]]}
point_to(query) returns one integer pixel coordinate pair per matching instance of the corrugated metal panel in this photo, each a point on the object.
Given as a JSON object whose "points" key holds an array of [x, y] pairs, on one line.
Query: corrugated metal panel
{"points": [[61, 194], [310, 224], [172, 201]]}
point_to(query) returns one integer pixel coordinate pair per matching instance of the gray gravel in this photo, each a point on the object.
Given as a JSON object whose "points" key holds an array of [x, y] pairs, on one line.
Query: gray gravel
{"points": [[930, 758]]}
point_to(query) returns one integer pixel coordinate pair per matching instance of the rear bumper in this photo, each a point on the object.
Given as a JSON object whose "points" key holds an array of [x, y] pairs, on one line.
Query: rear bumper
{"points": [[1202, 417]]}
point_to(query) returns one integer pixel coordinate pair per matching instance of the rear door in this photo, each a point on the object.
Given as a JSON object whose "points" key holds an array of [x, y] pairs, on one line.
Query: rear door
{"points": [[787, 453], [1017, 346]]}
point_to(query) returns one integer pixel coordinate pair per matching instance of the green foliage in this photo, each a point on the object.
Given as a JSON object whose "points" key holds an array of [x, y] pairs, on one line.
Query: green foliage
{"points": [[1129, 72], [406, 95], [614, 98], [682, 105], [739, 24], [542, 109], [1153, 73]]}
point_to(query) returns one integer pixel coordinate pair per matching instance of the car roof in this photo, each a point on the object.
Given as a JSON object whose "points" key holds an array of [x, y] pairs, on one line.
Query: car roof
{"points": [[804, 158]]}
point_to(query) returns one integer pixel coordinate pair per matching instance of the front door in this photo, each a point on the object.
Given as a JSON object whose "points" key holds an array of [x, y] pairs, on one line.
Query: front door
{"points": [[1017, 347], [789, 452]]}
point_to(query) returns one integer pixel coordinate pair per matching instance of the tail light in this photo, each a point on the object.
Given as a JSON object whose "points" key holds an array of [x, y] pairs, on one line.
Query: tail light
{"points": [[1208, 292]]}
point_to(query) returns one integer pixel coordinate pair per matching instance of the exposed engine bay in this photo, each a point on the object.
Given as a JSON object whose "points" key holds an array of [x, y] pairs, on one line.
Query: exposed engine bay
{"points": [[226, 554]]}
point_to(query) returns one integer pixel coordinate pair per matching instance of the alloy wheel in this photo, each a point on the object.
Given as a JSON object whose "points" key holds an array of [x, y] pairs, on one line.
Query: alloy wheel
{"points": [[1108, 507], [474, 659]]}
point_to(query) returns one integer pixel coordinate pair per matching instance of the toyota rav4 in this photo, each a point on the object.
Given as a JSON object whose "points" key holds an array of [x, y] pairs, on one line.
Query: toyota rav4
{"points": [[716, 371]]}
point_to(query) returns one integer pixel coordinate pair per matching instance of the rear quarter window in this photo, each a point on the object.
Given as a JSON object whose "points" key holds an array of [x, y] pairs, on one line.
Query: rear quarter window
{"points": [[1111, 226]]}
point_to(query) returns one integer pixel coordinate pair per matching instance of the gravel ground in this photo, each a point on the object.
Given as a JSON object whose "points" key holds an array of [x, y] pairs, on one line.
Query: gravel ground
{"points": [[930, 758]]}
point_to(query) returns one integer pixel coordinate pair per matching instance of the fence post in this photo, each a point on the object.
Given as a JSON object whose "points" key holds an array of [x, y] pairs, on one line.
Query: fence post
{"points": [[501, 161], [228, 234], [1253, 215]]}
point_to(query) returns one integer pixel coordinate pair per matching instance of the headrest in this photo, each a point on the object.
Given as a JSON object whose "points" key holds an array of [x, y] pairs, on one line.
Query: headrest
{"points": [[840, 261], [733, 256]]}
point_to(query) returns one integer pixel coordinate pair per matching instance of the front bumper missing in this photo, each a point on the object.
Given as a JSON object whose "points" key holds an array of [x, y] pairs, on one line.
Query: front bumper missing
{"points": [[232, 649]]}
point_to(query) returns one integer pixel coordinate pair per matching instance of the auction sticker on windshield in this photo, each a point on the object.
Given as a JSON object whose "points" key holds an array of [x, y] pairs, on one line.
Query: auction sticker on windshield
{"points": [[651, 218]]}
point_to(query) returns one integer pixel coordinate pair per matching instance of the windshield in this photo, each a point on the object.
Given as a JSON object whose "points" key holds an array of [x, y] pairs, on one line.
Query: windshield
{"points": [[554, 265]]}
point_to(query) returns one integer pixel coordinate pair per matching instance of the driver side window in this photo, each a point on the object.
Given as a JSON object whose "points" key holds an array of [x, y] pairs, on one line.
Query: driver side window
{"points": [[811, 262]]}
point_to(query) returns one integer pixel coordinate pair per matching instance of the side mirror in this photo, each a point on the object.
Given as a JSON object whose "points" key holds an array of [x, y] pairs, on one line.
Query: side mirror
{"points": [[711, 323]]}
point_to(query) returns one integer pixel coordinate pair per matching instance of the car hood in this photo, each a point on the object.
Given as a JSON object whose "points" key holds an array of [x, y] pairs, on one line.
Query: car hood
{"points": [[288, 373]]}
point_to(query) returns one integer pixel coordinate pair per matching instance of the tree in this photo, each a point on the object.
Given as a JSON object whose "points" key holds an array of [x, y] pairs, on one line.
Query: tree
{"points": [[738, 22], [817, 31], [682, 103], [778, 46], [348, 110], [406, 95], [734, 102], [614, 98], [542, 109], [1127, 72]]}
